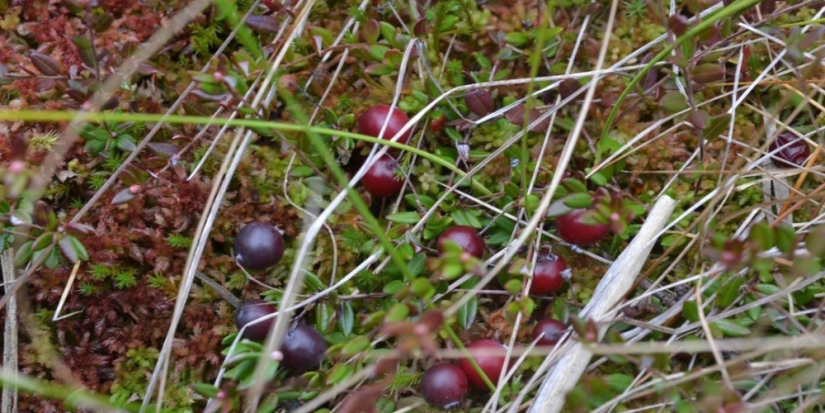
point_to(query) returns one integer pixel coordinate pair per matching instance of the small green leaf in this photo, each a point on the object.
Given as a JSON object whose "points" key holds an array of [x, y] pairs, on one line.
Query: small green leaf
{"points": [[312, 281], [731, 329], [346, 320], [206, 390], [718, 125], [691, 311], [355, 346], [517, 38], [86, 51], [323, 312], [416, 264], [409, 217], [574, 185], [785, 237], [467, 313], [378, 69], [397, 313], [729, 292], [24, 254], [43, 241], [393, 287], [340, 373], [462, 217], [513, 286], [619, 382], [578, 200]]}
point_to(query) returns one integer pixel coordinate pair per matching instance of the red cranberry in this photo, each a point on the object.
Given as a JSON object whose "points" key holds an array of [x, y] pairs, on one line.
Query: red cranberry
{"points": [[259, 246], [443, 386], [466, 237], [371, 122], [303, 348], [574, 231], [794, 153], [550, 331], [490, 364], [250, 311], [381, 180], [549, 275]]}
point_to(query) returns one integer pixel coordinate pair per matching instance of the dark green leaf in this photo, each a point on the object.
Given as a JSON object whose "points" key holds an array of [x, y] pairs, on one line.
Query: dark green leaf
{"points": [[728, 293], [718, 125], [86, 51], [691, 311]]}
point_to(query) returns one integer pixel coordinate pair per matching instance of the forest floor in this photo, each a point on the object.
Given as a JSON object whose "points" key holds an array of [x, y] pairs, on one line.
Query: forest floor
{"points": [[138, 138]]}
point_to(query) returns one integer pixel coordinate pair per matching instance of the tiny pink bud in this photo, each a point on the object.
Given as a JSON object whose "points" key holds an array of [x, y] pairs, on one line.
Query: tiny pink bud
{"points": [[615, 216], [86, 106], [420, 330], [276, 356], [221, 395], [218, 76], [134, 189], [17, 166]]}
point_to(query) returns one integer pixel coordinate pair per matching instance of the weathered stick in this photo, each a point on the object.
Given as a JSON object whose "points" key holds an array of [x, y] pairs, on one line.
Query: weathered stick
{"points": [[9, 399], [615, 285]]}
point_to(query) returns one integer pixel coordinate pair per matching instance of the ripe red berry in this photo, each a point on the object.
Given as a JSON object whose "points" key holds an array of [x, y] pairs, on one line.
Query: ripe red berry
{"points": [[549, 275], [443, 386], [466, 237], [792, 154], [490, 364], [574, 231], [259, 246], [304, 348], [371, 122], [250, 311], [381, 180], [550, 331]]}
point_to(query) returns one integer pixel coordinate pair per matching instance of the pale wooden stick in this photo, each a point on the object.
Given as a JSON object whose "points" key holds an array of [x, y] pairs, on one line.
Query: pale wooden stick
{"points": [[615, 285], [9, 400]]}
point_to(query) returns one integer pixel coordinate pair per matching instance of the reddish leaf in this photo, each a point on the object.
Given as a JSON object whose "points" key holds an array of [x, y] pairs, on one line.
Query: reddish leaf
{"points": [[480, 102], [124, 196], [45, 64], [516, 115], [708, 73], [678, 24], [166, 150], [568, 87], [262, 24], [652, 75]]}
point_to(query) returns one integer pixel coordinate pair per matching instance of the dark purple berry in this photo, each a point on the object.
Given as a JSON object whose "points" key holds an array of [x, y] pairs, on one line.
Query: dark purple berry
{"points": [[371, 122], [490, 364], [573, 230], [381, 180], [466, 237], [550, 331], [549, 275], [792, 154], [259, 246], [303, 348], [443, 386], [250, 311]]}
